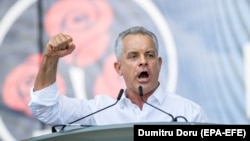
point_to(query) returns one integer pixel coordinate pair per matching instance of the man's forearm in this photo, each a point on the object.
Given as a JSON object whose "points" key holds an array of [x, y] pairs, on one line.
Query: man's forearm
{"points": [[58, 46], [47, 73]]}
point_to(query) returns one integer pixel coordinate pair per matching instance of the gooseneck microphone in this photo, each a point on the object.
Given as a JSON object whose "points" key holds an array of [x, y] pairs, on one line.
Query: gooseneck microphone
{"points": [[174, 119], [71, 123]]}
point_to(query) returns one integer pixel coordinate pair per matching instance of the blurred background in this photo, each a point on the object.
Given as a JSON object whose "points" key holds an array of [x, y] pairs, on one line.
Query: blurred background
{"points": [[205, 47]]}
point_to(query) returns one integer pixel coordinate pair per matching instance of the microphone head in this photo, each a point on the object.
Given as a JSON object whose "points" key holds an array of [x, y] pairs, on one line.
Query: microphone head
{"points": [[120, 94], [140, 91]]}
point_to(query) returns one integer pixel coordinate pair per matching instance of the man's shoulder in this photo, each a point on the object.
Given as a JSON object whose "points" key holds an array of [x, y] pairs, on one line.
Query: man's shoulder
{"points": [[104, 98], [181, 100]]}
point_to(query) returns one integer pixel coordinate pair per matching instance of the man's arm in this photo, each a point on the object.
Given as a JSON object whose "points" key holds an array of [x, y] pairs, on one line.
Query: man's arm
{"points": [[58, 46]]}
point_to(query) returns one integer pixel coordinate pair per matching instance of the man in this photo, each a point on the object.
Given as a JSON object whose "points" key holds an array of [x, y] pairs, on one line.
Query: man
{"points": [[137, 62]]}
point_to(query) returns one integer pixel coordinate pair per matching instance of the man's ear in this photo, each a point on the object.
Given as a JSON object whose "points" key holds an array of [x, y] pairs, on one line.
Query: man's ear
{"points": [[160, 60], [117, 66]]}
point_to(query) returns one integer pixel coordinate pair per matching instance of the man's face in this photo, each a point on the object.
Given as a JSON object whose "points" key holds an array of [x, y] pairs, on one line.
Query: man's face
{"points": [[139, 63]]}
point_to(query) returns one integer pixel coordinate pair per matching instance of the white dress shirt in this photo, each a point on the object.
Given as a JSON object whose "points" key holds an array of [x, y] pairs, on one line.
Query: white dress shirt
{"points": [[52, 108]]}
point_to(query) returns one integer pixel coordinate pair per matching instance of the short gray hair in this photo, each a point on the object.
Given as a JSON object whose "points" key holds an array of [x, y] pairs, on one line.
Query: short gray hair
{"points": [[133, 30]]}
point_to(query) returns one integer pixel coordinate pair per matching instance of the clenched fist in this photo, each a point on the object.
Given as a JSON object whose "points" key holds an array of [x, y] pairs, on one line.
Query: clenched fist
{"points": [[59, 45]]}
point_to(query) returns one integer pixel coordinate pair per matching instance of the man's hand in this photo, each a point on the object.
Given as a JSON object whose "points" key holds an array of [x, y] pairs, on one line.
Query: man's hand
{"points": [[59, 45]]}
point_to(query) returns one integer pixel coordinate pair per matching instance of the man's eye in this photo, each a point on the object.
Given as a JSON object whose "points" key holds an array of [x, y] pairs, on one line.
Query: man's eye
{"points": [[151, 55], [132, 56]]}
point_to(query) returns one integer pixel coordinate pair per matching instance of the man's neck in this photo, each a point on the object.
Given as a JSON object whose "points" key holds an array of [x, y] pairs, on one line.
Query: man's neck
{"points": [[136, 98]]}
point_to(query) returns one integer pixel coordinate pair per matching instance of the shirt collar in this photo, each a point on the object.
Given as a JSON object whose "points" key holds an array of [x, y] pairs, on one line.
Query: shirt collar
{"points": [[158, 95]]}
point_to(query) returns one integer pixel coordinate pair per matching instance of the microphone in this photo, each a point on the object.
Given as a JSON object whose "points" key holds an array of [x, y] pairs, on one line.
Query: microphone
{"points": [[174, 119], [71, 123]]}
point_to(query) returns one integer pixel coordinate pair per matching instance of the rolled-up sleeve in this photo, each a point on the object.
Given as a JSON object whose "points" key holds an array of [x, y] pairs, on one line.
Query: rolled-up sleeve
{"points": [[43, 104], [45, 97]]}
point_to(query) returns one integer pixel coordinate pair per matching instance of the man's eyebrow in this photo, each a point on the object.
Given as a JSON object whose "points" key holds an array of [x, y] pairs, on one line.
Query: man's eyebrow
{"points": [[151, 51], [132, 52]]}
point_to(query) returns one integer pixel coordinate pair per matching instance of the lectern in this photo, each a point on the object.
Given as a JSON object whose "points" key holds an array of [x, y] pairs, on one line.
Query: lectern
{"points": [[114, 132], [117, 132]]}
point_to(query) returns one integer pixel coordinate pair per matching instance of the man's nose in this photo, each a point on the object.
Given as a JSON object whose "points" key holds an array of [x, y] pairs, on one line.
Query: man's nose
{"points": [[143, 60]]}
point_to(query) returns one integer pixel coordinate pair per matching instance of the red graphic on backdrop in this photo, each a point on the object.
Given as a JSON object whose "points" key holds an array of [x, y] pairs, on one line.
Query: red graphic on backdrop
{"points": [[109, 82], [19, 81], [87, 22]]}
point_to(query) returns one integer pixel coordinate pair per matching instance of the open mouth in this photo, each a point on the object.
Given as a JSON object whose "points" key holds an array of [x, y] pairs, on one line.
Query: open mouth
{"points": [[143, 76]]}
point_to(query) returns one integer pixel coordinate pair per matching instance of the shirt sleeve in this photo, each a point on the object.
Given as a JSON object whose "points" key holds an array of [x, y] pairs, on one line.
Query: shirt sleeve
{"points": [[50, 107], [45, 97]]}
